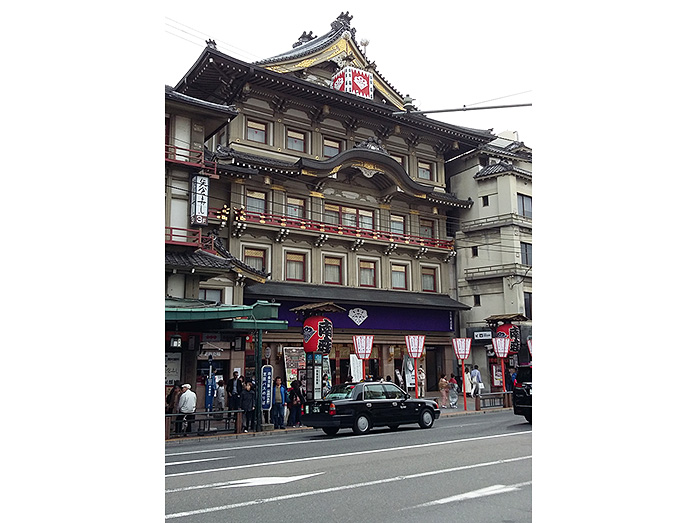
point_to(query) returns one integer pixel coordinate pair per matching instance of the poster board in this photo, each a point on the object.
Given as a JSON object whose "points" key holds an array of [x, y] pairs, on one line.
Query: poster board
{"points": [[294, 362]]}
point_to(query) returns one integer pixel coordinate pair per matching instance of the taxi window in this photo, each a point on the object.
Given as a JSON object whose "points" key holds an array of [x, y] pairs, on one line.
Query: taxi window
{"points": [[340, 392], [374, 392], [392, 392]]}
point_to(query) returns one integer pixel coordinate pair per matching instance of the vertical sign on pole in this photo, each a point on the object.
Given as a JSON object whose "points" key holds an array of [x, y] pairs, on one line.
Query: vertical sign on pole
{"points": [[462, 351], [501, 348], [363, 345], [415, 347]]}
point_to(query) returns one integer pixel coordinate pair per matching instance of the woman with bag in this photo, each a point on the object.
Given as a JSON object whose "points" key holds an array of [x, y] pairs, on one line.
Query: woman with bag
{"points": [[296, 400], [477, 384]]}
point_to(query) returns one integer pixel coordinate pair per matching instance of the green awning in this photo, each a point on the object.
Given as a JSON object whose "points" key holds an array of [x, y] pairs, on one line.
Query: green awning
{"points": [[193, 310]]}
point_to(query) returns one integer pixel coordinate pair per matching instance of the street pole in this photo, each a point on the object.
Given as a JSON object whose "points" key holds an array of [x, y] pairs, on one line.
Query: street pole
{"points": [[257, 374], [464, 387]]}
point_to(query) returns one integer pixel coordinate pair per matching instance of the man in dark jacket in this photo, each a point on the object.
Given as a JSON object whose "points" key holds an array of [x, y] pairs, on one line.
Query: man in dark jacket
{"points": [[234, 389], [248, 402]]}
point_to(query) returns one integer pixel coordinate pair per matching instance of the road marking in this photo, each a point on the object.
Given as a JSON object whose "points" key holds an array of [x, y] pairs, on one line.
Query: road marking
{"points": [[270, 480], [486, 491], [348, 454], [196, 461], [334, 489]]}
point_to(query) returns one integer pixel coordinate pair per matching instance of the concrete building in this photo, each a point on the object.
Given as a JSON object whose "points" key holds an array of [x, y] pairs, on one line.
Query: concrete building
{"points": [[494, 246]]}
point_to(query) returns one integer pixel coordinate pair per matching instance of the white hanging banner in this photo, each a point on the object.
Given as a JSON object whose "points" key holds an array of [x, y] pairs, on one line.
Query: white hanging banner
{"points": [[501, 346], [530, 347], [363, 346], [462, 347], [415, 345]]}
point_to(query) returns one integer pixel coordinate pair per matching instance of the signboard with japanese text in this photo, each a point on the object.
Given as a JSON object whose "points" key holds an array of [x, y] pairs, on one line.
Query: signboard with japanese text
{"points": [[512, 332], [199, 200], [461, 346], [266, 386], [173, 365], [363, 346], [415, 345], [317, 334], [501, 346]]}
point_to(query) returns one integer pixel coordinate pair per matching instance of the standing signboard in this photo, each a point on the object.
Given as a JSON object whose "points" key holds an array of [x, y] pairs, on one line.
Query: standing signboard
{"points": [[415, 347], [266, 386], [462, 346], [501, 348]]}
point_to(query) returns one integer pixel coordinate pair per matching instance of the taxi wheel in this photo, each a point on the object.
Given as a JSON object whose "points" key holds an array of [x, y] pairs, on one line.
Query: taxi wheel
{"points": [[330, 431], [361, 425], [426, 419]]}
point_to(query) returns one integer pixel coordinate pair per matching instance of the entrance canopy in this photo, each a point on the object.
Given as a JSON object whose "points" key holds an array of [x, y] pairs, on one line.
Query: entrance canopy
{"points": [[208, 316]]}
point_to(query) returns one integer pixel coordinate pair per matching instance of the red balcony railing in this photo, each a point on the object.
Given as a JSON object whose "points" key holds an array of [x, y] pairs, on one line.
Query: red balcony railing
{"points": [[191, 157], [190, 237], [346, 230]]}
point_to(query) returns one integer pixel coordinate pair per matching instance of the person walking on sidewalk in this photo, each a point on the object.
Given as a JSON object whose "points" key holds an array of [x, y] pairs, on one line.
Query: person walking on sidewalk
{"points": [[476, 378], [186, 409], [452, 392], [443, 389], [248, 404], [296, 400], [278, 404]]}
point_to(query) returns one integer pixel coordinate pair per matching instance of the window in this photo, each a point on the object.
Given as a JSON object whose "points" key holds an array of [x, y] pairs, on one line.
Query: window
{"points": [[526, 253], [399, 277], [485, 201], [398, 159], [332, 270], [331, 147], [396, 224], [295, 140], [527, 296], [256, 202], [475, 251], [255, 258], [215, 295], [256, 131], [428, 279], [425, 171], [477, 300], [348, 216], [331, 214], [295, 266], [367, 273], [426, 228], [524, 205], [296, 208]]}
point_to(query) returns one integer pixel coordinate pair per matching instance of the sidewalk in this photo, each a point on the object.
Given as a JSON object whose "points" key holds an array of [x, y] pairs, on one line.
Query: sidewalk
{"points": [[447, 412]]}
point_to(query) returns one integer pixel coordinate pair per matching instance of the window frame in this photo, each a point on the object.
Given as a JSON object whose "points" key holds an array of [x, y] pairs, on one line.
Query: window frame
{"points": [[249, 194], [339, 146], [206, 290], [425, 166], [425, 268], [264, 254], [405, 270], [288, 253], [303, 138], [526, 210], [357, 212], [422, 228], [526, 253], [374, 264], [301, 205], [250, 125], [340, 259]]}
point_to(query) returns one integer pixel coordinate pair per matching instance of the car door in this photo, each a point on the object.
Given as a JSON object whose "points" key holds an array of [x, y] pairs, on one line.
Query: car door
{"points": [[400, 410], [376, 403]]}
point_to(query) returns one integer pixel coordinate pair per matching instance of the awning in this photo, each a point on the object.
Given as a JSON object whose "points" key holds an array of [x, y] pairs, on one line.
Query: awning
{"points": [[193, 310]]}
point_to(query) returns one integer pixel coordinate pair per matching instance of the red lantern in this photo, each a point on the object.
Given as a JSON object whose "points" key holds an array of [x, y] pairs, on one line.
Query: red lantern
{"points": [[317, 334], [510, 331]]}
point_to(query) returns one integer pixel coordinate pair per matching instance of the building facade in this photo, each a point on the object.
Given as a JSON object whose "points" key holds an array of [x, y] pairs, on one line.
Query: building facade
{"points": [[315, 193], [494, 249]]}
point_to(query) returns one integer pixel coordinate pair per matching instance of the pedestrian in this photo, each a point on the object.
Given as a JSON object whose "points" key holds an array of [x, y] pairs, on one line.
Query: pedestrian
{"points": [[248, 404], [279, 400], [422, 382], [514, 375], [172, 401], [476, 378], [234, 389], [186, 409], [220, 397], [467, 381], [326, 385], [452, 392], [443, 389], [508, 378], [296, 399]]}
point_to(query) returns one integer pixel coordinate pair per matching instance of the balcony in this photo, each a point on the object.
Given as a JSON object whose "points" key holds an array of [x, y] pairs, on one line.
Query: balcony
{"points": [[323, 231], [192, 158], [188, 237]]}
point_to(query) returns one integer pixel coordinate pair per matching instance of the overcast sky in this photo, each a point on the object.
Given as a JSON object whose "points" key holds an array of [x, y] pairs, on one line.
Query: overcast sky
{"points": [[443, 54]]}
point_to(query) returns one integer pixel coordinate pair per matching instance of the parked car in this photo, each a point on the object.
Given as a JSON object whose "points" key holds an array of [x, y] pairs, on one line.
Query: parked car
{"points": [[362, 406], [522, 392]]}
